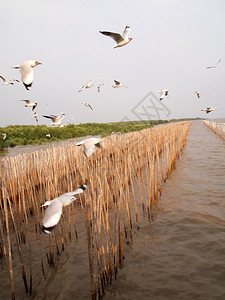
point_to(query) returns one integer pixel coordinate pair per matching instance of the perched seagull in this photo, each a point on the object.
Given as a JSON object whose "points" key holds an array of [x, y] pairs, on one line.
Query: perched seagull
{"points": [[99, 87], [89, 145], [54, 209], [30, 104], [26, 71], [86, 86], [118, 84], [215, 65], [197, 94], [209, 109], [163, 93], [56, 119], [121, 40], [5, 82], [88, 105], [35, 115], [4, 136]]}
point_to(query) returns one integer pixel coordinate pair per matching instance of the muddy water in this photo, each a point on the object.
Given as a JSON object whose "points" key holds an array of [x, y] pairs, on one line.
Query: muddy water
{"points": [[181, 255]]}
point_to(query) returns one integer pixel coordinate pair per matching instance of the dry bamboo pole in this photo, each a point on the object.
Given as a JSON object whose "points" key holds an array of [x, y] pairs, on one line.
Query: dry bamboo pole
{"points": [[89, 228], [10, 269], [18, 248]]}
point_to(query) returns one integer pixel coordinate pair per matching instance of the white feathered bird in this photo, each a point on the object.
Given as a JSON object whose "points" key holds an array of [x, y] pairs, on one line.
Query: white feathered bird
{"points": [[209, 109], [121, 40], [55, 206], [163, 93], [118, 84], [89, 145], [26, 71], [86, 86], [30, 104], [56, 119]]}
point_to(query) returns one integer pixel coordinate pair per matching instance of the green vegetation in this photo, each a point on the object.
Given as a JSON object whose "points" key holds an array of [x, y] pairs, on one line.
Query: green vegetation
{"points": [[24, 135]]}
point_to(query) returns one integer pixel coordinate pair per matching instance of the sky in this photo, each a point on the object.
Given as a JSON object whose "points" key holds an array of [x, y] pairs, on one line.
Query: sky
{"points": [[173, 43]]}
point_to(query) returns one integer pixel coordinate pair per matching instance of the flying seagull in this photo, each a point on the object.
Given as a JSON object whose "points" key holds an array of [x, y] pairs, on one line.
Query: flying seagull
{"points": [[99, 87], [54, 209], [35, 115], [215, 65], [209, 109], [163, 93], [56, 119], [89, 145], [26, 71], [5, 82], [88, 105], [121, 40], [197, 94], [86, 86], [118, 84], [30, 104]]}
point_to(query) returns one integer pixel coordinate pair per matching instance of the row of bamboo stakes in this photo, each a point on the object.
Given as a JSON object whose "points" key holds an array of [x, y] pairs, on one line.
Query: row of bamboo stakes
{"points": [[216, 127], [124, 179]]}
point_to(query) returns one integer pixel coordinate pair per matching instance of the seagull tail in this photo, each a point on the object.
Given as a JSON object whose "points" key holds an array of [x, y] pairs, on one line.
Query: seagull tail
{"points": [[47, 230]]}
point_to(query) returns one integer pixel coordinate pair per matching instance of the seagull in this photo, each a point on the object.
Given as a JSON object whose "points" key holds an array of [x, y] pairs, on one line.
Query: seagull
{"points": [[215, 65], [48, 135], [26, 71], [99, 87], [197, 94], [56, 119], [4, 136], [86, 86], [30, 104], [89, 145], [209, 109], [5, 82], [121, 40], [35, 115], [163, 93], [118, 84], [88, 105], [54, 209]]}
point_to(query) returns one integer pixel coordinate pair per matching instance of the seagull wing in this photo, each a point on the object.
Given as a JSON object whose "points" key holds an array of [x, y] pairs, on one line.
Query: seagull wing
{"points": [[126, 32], [117, 82], [4, 80], [27, 101], [87, 84], [50, 117], [115, 36], [52, 215], [218, 62], [89, 149]]}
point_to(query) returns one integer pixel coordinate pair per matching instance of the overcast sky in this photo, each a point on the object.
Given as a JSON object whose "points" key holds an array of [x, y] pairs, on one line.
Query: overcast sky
{"points": [[173, 43]]}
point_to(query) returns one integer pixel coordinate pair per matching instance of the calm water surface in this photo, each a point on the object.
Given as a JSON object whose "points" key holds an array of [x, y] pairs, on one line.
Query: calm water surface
{"points": [[181, 255]]}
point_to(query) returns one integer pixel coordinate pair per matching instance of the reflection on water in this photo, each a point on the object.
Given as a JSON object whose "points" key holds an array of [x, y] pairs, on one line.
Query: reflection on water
{"points": [[181, 254]]}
